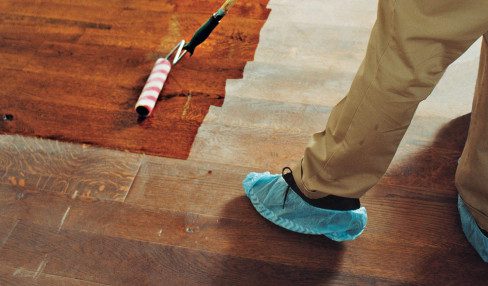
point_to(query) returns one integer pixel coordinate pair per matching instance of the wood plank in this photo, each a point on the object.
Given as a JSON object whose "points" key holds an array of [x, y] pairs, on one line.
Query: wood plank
{"points": [[79, 12], [210, 189], [208, 232], [269, 115], [20, 276], [254, 10], [46, 20], [77, 55], [307, 119], [37, 165], [431, 166], [179, 117], [248, 239], [117, 261], [11, 80], [15, 55], [292, 82], [250, 147], [87, 9], [189, 222], [235, 38], [38, 29], [226, 224], [60, 90], [47, 211], [130, 69], [254, 139], [188, 186], [114, 123], [431, 169], [161, 185], [7, 226]]}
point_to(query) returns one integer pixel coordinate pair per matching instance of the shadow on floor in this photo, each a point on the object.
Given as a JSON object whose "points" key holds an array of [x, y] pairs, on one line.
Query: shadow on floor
{"points": [[282, 257], [276, 256], [451, 260]]}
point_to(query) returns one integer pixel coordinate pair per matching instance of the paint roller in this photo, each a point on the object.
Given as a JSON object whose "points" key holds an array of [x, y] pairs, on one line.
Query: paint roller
{"points": [[162, 67]]}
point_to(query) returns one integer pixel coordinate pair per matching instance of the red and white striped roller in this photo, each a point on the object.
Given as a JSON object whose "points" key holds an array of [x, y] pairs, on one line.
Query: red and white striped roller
{"points": [[152, 89]]}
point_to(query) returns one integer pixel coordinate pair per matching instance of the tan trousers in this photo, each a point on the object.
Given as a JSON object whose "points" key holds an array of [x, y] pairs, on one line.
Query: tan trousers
{"points": [[472, 172], [411, 45]]}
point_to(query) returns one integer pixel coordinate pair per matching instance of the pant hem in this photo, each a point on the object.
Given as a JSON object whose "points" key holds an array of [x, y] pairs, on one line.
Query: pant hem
{"points": [[311, 194]]}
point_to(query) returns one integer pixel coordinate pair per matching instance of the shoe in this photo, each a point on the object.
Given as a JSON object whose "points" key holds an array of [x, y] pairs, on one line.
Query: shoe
{"points": [[474, 234], [330, 202], [270, 196]]}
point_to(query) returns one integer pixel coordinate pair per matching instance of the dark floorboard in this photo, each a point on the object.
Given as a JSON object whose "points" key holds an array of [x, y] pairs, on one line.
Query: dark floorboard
{"points": [[77, 69]]}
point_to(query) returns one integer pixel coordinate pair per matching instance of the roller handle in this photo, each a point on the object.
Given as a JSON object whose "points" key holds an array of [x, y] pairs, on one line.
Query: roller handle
{"points": [[203, 32]]}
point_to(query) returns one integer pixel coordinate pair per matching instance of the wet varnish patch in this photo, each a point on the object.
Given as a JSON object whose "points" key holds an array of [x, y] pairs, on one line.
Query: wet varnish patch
{"points": [[85, 69]]}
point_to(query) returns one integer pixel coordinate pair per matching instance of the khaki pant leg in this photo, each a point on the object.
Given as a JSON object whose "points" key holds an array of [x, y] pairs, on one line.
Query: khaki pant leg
{"points": [[472, 172], [411, 45]]}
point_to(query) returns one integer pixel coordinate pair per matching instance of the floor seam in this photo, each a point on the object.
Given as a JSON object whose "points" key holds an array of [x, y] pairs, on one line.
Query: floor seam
{"points": [[135, 177]]}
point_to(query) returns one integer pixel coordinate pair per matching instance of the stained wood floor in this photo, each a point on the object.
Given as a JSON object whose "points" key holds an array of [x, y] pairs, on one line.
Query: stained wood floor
{"points": [[73, 71], [77, 214]]}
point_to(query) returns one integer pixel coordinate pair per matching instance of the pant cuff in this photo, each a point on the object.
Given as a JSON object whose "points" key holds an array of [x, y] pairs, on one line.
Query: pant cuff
{"points": [[297, 176]]}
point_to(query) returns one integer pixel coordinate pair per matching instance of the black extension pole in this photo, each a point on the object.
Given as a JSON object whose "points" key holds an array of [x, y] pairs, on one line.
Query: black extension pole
{"points": [[206, 29]]}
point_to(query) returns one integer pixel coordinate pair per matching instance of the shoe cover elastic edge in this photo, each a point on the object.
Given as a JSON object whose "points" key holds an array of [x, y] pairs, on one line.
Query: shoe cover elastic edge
{"points": [[473, 233]]}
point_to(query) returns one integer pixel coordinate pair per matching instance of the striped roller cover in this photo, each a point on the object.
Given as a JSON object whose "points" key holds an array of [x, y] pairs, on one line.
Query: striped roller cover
{"points": [[154, 85]]}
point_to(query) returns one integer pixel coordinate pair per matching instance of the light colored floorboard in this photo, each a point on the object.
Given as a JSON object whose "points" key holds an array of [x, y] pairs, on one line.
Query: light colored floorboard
{"points": [[307, 58]]}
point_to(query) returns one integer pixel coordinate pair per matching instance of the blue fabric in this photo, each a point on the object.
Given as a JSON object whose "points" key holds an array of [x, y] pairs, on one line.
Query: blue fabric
{"points": [[473, 233], [267, 191]]}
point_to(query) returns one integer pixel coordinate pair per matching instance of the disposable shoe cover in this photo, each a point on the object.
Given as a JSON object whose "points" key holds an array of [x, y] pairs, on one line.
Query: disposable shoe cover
{"points": [[267, 191], [473, 233]]}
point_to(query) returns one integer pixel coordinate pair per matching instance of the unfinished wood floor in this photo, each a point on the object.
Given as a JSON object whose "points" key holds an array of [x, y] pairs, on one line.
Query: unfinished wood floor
{"points": [[74, 214]]}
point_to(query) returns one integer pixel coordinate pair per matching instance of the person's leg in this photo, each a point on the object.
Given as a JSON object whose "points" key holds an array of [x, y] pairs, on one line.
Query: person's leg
{"points": [[411, 45], [472, 171]]}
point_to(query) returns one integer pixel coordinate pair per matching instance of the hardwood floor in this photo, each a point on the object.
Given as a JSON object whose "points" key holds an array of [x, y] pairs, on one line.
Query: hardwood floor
{"points": [[76, 70], [188, 222], [68, 169], [78, 214]]}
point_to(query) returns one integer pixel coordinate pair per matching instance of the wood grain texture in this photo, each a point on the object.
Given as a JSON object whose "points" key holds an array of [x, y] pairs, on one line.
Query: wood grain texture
{"points": [[115, 260], [7, 225], [215, 190], [83, 65], [20, 276], [39, 165], [188, 222], [413, 216], [418, 239]]}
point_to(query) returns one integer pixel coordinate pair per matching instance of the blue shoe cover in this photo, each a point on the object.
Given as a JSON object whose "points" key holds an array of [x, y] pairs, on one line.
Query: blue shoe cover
{"points": [[267, 191], [473, 233]]}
